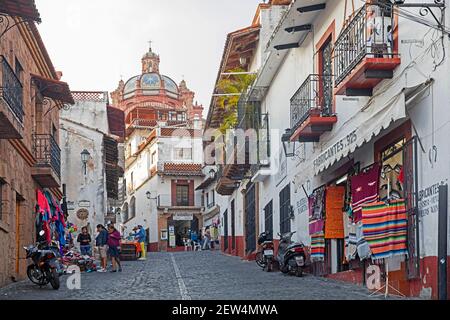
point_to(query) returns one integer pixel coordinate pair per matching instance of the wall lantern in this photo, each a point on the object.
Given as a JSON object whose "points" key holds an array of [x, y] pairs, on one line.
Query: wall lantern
{"points": [[149, 196], [212, 174], [288, 145], [85, 155]]}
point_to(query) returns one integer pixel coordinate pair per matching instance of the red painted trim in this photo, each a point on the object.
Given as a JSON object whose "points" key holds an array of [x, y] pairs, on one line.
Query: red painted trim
{"points": [[153, 247]]}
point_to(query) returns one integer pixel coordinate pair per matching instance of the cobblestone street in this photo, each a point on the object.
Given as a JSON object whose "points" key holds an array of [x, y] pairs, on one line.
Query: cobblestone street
{"points": [[191, 275]]}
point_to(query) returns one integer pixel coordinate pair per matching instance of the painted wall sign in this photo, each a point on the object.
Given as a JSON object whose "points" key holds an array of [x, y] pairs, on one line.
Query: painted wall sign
{"points": [[302, 206], [336, 149], [282, 167], [429, 200], [183, 217]]}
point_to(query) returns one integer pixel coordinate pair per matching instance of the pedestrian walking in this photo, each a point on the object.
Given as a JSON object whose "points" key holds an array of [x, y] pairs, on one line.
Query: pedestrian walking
{"points": [[140, 237], [84, 238], [114, 247], [101, 242], [207, 239]]}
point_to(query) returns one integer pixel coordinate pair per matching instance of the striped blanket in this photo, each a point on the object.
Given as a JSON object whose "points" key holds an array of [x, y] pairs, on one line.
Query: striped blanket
{"points": [[318, 247], [385, 228]]}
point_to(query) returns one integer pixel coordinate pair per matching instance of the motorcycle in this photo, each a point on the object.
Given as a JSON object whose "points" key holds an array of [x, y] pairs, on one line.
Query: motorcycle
{"points": [[291, 255], [265, 256], [46, 267]]}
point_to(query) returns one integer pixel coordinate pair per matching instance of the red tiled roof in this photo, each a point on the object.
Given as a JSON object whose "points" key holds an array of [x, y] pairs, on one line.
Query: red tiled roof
{"points": [[180, 132], [25, 9], [183, 169]]}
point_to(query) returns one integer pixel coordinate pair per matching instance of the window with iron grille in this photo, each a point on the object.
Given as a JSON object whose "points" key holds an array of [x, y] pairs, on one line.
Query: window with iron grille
{"points": [[2, 184], [182, 196], [268, 218], [285, 203]]}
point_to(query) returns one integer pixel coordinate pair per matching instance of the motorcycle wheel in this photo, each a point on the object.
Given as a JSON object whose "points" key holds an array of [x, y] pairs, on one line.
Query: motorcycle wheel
{"points": [[269, 266], [260, 260], [299, 272], [284, 269], [32, 272], [54, 279]]}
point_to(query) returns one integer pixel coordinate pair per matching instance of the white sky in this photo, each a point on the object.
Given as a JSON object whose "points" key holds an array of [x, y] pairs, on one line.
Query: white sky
{"points": [[94, 42]]}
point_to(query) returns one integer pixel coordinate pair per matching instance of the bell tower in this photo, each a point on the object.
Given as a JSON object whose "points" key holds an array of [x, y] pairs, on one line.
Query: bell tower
{"points": [[150, 61]]}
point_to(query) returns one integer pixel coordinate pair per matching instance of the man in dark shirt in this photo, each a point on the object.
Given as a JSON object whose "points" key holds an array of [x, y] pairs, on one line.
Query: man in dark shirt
{"points": [[101, 244]]}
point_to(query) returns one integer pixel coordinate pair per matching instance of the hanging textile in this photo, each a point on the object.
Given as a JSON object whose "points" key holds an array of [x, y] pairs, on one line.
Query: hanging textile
{"points": [[318, 247], [334, 204], [362, 246], [385, 228], [316, 226], [317, 203], [350, 241], [365, 187]]}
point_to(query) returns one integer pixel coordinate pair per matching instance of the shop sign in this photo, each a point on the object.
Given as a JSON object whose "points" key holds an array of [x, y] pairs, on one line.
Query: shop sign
{"points": [[429, 200], [84, 204], [282, 167], [183, 217], [70, 205], [302, 206], [336, 150]]}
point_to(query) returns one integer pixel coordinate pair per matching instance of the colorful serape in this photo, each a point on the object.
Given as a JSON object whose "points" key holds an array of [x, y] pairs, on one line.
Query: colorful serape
{"points": [[365, 187], [316, 226], [385, 228], [318, 247], [334, 204]]}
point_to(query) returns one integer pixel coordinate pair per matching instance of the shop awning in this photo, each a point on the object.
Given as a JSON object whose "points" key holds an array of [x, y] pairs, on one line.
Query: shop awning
{"points": [[366, 124], [53, 89]]}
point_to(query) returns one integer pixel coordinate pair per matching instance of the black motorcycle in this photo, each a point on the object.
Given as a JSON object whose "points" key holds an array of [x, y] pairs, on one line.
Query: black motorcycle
{"points": [[291, 255], [46, 266], [265, 256]]}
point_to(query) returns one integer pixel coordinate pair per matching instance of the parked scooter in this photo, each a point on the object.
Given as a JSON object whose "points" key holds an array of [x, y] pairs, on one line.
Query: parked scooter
{"points": [[46, 267], [291, 255], [265, 256]]}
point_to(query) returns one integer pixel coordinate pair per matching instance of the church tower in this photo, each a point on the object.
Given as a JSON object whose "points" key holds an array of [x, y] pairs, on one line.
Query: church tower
{"points": [[150, 62]]}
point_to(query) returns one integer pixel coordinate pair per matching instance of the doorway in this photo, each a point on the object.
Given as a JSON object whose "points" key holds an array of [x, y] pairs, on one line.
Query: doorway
{"points": [[250, 220]]}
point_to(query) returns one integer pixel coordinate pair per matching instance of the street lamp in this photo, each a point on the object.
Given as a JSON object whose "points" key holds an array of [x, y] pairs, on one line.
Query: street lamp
{"points": [[288, 145], [85, 155], [212, 174]]}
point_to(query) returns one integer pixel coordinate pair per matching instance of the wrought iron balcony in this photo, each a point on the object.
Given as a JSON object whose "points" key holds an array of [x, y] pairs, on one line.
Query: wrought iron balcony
{"points": [[11, 102], [11, 89], [48, 160], [312, 107], [365, 51]]}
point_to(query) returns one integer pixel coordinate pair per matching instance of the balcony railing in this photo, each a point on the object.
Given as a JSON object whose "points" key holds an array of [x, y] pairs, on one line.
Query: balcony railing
{"points": [[165, 200], [47, 152], [314, 97], [11, 89], [368, 34]]}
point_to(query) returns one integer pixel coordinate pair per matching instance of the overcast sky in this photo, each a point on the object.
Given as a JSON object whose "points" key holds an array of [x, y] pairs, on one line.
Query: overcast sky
{"points": [[95, 42]]}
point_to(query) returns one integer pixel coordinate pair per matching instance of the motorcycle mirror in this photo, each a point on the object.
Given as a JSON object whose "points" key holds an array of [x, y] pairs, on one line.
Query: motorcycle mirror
{"points": [[41, 233], [25, 248]]}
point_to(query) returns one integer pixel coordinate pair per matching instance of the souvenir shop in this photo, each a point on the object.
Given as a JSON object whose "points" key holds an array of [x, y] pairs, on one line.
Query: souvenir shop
{"points": [[58, 233], [365, 216]]}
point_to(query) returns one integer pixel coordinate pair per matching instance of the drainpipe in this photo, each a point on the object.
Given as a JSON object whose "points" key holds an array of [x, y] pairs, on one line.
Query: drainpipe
{"points": [[442, 242]]}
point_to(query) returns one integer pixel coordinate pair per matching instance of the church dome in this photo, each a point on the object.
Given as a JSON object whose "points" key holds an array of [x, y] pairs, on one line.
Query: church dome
{"points": [[150, 84]]}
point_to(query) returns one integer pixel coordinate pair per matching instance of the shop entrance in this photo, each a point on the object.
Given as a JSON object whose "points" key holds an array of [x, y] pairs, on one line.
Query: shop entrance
{"points": [[181, 230]]}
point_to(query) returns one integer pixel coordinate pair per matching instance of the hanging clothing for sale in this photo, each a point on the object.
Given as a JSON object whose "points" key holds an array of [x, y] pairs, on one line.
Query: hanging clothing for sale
{"points": [[334, 205], [362, 246], [318, 203], [318, 247], [385, 228], [316, 226], [350, 238], [365, 187]]}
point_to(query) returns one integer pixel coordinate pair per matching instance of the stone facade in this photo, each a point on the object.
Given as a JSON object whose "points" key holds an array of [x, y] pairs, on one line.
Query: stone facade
{"points": [[22, 49]]}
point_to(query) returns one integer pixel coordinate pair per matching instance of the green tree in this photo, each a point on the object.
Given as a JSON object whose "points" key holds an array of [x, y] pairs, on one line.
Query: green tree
{"points": [[233, 84]]}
